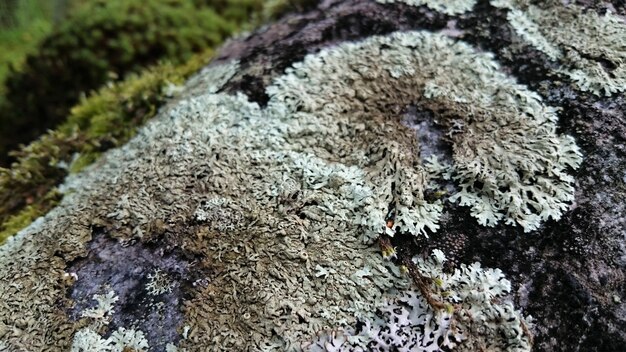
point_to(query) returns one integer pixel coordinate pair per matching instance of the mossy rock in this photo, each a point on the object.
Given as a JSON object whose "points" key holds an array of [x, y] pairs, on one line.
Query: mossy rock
{"points": [[235, 221], [103, 40], [105, 119]]}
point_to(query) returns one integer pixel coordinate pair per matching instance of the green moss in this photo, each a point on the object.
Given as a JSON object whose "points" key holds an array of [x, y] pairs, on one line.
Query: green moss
{"points": [[251, 13], [273, 9], [102, 40], [83, 160], [18, 222], [28, 214], [106, 119], [29, 23]]}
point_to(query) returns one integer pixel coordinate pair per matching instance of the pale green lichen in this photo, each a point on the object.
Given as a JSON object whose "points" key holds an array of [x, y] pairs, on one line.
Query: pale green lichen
{"points": [[87, 340], [310, 177], [477, 317], [509, 162], [531, 32], [449, 7], [159, 283], [104, 310], [590, 47], [122, 340]]}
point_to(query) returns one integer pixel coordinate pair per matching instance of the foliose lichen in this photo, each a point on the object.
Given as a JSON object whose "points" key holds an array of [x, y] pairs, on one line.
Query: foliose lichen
{"points": [[314, 175], [159, 283], [508, 159], [88, 340], [589, 47], [475, 318], [103, 311], [122, 340]]}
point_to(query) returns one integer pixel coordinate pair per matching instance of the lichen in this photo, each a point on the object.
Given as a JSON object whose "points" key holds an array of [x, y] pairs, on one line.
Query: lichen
{"points": [[449, 7], [88, 339], [105, 119], [508, 160], [122, 340], [103, 311], [315, 176], [589, 47], [476, 318], [158, 283]]}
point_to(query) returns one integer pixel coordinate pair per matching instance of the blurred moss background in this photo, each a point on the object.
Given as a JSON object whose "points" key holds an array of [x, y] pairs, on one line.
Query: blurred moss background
{"points": [[75, 46], [23, 23], [78, 77]]}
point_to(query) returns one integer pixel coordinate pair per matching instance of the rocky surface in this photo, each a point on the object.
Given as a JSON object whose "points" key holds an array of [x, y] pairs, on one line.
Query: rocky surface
{"points": [[568, 274]]}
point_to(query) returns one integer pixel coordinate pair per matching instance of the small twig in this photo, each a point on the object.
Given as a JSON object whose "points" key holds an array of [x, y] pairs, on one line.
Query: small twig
{"points": [[527, 332], [423, 284]]}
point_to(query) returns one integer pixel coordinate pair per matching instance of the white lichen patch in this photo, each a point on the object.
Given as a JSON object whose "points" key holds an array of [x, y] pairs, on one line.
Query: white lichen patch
{"points": [[219, 214], [159, 283], [170, 347], [313, 177], [509, 162], [104, 310], [122, 340], [88, 339], [475, 317], [449, 7], [590, 47]]}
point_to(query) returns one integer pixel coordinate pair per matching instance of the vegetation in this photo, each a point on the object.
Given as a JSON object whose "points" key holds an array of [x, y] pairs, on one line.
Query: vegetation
{"points": [[101, 41], [102, 121], [109, 116], [22, 26]]}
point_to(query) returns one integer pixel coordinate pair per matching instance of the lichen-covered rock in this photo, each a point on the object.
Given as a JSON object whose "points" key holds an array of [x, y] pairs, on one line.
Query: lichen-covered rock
{"points": [[243, 216], [100, 42]]}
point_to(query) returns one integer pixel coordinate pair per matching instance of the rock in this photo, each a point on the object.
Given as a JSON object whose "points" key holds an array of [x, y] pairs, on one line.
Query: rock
{"points": [[245, 215]]}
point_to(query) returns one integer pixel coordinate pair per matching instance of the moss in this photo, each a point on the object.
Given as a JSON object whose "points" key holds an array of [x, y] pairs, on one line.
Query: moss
{"points": [[83, 160], [102, 40], [273, 9], [106, 119], [18, 221], [28, 214], [251, 13], [114, 113], [21, 31]]}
